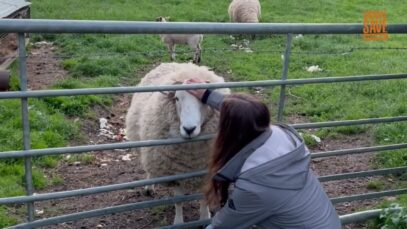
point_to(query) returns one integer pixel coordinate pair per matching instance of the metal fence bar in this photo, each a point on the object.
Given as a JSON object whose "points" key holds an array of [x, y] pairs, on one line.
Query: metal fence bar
{"points": [[362, 216], [192, 224], [359, 217], [107, 211], [366, 196], [110, 146], [142, 183], [169, 141], [25, 122], [284, 74], [99, 189], [173, 200], [348, 122], [358, 150], [260, 83], [378, 172], [134, 27]]}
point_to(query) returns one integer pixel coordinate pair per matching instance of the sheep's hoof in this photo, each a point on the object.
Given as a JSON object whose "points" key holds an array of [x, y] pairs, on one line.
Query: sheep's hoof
{"points": [[197, 61], [148, 192]]}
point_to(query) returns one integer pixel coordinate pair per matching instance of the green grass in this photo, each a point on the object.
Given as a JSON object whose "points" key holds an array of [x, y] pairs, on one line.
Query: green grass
{"points": [[375, 185], [110, 60], [84, 158]]}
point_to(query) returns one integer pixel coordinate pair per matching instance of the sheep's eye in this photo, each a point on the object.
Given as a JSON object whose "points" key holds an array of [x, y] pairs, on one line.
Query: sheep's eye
{"points": [[176, 98]]}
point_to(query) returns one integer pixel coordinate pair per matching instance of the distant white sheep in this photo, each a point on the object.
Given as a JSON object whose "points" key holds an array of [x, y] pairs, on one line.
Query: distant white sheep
{"points": [[193, 40], [156, 115], [245, 11]]}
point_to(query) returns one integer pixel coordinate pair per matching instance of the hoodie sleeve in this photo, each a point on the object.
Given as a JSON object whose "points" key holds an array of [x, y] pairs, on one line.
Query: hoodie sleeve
{"points": [[243, 210], [215, 99]]}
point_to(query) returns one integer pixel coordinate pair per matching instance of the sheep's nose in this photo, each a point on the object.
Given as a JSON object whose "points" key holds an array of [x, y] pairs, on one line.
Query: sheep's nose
{"points": [[189, 130]]}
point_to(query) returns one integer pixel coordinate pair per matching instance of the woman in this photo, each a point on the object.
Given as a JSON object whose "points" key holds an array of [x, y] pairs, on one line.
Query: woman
{"points": [[269, 167]]}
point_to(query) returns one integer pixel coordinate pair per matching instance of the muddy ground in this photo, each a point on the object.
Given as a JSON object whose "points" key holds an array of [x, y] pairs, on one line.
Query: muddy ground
{"points": [[117, 166]]}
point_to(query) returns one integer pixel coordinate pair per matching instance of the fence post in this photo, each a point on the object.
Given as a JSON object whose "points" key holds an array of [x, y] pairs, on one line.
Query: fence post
{"points": [[284, 76], [22, 58]]}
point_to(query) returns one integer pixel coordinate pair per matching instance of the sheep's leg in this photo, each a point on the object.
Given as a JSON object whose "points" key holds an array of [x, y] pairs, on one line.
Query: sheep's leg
{"points": [[171, 51], [197, 55], [179, 216], [149, 190], [203, 210]]}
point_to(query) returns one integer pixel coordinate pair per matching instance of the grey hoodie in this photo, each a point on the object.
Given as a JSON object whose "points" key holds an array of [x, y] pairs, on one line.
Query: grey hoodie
{"points": [[273, 185]]}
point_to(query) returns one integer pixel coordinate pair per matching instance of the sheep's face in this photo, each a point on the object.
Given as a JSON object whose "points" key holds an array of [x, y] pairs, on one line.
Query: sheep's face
{"points": [[190, 112]]}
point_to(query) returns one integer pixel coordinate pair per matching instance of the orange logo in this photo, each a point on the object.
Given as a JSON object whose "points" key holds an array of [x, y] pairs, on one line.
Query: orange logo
{"points": [[375, 26]]}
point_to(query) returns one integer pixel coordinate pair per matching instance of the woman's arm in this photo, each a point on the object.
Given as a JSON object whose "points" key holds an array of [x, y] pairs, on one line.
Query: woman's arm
{"points": [[243, 210], [212, 98]]}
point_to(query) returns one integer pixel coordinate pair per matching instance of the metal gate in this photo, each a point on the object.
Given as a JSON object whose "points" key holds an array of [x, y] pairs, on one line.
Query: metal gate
{"points": [[119, 27]]}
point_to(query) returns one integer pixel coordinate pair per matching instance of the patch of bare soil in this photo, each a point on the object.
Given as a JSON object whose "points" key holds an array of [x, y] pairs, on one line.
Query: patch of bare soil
{"points": [[117, 166], [44, 66]]}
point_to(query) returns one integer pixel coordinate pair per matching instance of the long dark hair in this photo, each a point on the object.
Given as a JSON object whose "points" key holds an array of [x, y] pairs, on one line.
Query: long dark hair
{"points": [[242, 119]]}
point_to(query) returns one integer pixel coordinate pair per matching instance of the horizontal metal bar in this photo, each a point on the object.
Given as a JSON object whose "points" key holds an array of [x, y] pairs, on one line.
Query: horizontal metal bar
{"points": [[359, 217], [107, 211], [260, 83], [366, 196], [137, 27], [99, 189], [168, 201], [358, 150], [100, 147], [362, 216], [171, 141], [348, 122], [192, 224], [377, 172], [142, 183]]}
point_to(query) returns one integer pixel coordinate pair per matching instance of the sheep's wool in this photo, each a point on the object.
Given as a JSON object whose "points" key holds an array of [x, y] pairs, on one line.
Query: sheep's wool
{"points": [[245, 11], [153, 115]]}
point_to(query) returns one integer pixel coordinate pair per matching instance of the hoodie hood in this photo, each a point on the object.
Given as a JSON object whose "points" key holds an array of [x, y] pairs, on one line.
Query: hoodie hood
{"points": [[278, 158]]}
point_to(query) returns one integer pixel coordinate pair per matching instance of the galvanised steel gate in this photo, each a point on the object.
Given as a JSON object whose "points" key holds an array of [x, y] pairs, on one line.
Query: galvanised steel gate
{"points": [[120, 27]]}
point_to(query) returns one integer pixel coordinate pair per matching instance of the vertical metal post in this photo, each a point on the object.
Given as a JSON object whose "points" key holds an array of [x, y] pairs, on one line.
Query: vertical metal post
{"points": [[22, 58], [284, 76]]}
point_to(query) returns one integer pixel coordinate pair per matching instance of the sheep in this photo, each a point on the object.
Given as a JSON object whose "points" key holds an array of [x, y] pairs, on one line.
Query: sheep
{"points": [[193, 40], [156, 115], [245, 11]]}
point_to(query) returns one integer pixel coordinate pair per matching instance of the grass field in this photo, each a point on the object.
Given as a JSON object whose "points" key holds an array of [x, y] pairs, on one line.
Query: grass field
{"points": [[111, 60]]}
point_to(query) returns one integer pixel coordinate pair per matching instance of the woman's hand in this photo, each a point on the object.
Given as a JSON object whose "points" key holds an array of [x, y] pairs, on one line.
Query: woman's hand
{"points": [[197, 92]]}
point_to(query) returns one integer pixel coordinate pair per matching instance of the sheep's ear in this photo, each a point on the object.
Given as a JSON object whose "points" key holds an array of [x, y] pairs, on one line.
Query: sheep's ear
{"points": [[171, 94], [168, 94]]}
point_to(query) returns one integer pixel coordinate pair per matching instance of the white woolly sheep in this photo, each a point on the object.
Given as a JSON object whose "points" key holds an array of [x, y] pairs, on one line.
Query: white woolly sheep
{"points": [[244, 11], [193, 40], [156, 115]]}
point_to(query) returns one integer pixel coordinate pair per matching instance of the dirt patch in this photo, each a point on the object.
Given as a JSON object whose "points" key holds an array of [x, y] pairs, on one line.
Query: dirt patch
{"points": [[118, 166], [44, 67]]}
